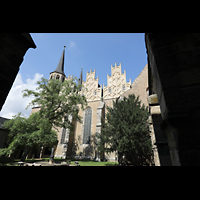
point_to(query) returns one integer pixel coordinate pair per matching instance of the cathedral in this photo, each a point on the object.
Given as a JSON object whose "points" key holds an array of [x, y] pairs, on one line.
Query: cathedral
{"points": [[81, 142]]}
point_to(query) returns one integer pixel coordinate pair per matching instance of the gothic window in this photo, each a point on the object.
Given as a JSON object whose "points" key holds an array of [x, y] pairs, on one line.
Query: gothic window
{"points": [[57, 77], [51, 77], [87, 126], [63, 136], [123, 87], [109, 90], [95, 93]]}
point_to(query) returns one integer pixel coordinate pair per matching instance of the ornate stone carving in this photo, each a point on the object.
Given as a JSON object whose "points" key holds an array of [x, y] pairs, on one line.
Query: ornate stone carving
{"points": [[115, 83]]}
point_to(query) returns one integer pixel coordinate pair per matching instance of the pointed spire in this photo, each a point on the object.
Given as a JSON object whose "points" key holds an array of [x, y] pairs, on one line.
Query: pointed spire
{"points": [[80, 80], [60, 67]]}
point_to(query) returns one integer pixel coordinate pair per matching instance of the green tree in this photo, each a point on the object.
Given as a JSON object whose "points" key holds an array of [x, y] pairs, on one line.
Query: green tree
{"points": [[57, 100], [27, 133], [126, 132]]}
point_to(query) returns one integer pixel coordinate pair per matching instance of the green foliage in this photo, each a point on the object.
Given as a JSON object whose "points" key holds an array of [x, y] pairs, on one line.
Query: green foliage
{"points": [[28, 132], [57, 100], [126, 131]]}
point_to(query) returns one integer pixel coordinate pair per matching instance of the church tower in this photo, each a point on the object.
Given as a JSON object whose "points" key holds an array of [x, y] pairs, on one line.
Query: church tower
{"points": [[59, 72]]}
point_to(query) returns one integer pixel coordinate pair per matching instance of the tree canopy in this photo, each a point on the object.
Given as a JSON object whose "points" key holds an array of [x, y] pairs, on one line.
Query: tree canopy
{"points": [[57, 101], [126, 132], [27, 133]]}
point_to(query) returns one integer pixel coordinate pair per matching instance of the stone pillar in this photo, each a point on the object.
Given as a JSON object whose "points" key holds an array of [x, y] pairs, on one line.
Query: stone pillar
{"points": [[100, 115], [158, 136], [173, 61], [153, 140], [172, 142]]}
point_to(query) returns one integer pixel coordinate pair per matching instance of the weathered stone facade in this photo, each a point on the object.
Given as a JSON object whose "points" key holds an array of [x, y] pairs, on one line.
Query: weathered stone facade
{"points": [[98, 97], [116, 83], [139, 87], [73, 144], [173, 60], [91, 88]]}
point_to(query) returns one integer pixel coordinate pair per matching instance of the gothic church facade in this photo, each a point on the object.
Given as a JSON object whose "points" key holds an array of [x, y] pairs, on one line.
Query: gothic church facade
{"points": [[81, 142]]}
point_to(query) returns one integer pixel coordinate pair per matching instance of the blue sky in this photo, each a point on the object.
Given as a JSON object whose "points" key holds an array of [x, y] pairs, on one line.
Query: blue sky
{"points": [[88, 50]]}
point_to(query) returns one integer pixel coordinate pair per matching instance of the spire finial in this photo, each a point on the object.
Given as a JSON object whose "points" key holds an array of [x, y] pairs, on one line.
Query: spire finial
{"points": [[64, 47], [80, 80]]}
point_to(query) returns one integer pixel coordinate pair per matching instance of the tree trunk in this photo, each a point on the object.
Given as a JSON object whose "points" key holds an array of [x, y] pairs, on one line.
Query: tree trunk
{"points": [[41, 152], [120, 158], [25, 153]]}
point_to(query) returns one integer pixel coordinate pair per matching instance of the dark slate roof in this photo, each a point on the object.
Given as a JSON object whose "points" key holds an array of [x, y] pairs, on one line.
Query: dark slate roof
{"points": [[60, 67]]}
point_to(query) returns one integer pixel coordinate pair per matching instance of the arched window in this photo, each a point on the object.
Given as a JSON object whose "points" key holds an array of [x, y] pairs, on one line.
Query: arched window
{"points": [[57, 77], [87, 126], [63, 136]]}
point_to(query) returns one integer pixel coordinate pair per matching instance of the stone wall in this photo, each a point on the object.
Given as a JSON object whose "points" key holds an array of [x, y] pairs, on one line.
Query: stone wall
{"points": [[140, 87], [174, 72]]}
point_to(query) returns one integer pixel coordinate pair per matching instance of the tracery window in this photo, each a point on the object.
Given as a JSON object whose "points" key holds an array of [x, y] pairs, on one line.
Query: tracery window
{"points": [[63, 136], [87, 126]]}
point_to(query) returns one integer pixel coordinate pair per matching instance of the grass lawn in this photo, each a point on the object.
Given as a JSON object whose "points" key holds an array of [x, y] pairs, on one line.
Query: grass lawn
{"points": [[90, 162], [81, 162], [93, 163]]}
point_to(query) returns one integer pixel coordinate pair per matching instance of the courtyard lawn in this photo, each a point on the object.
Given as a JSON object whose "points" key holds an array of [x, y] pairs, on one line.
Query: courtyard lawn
{"points": [[93, 163], [57, 160], [89, 162]]}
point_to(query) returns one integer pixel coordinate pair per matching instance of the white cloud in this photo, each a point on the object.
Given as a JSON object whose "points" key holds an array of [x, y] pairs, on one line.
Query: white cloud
{"points": [[73, 49], [15, 103], [72, 45]]}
